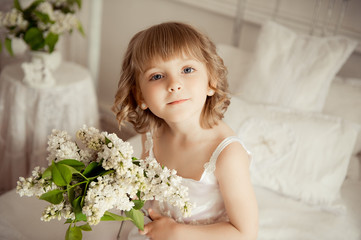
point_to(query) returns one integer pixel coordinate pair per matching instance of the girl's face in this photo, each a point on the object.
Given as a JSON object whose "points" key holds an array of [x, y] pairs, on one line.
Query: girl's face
{"points": [[175, 90]]}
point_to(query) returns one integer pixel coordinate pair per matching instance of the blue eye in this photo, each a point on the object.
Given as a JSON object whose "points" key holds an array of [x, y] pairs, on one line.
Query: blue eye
{"points": [[156, 77], [188, 70]]}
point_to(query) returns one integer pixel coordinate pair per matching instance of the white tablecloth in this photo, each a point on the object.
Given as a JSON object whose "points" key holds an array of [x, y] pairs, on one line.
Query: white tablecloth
{"points": [[28, 115]]}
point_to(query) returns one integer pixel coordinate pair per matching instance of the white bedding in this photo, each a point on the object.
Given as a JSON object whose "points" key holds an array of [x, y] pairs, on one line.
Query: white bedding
{"points": [[282, 218]]}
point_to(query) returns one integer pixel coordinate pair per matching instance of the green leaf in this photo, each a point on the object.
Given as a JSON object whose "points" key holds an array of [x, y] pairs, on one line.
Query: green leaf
{"points": [[73, 233], [34, 38], [92, 169], [79, 3], [137, 218], [71, 194], [77, 208], [73, 163], [68, 221], [138, 204], [136, 161], [54, 196], [62, 174], [51, 40], [31, 8], [80, 29], [47, 173], [8, 46], [17, 5], [103, 173], [107, 141], [43, 17], [85, 227], [108, 216], [76, 204], [71, 169]]}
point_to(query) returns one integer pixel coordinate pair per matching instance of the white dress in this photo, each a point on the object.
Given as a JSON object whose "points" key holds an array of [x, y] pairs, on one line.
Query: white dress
{"points": [[204, 194]]}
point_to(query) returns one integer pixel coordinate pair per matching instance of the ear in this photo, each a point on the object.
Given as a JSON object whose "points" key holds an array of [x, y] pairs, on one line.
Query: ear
{"points": [[210, 92], [139, 99], [143, 106], [212, 84]]}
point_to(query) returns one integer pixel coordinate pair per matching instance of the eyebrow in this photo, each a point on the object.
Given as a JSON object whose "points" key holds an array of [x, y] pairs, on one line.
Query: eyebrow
{"points": [[183, 59]]}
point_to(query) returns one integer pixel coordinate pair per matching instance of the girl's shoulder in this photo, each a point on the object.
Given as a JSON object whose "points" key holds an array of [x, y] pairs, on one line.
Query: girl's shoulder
{"points": [[232, 149]]}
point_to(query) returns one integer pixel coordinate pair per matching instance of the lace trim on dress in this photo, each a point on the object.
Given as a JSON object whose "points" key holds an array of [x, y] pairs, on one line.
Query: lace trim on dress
{"points": [[148, 144]]}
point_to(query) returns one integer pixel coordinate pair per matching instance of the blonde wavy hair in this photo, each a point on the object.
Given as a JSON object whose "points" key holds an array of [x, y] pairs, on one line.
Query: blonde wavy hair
{"points": [[168, 40]]}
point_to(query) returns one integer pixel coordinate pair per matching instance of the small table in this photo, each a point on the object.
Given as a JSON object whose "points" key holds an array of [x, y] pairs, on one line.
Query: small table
{"points": [[28, 115]]}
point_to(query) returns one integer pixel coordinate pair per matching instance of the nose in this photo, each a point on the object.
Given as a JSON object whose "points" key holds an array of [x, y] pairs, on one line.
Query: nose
{"points": [[174, 85]]}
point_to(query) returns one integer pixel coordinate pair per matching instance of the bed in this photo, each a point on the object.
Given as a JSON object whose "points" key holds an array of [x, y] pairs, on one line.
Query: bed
{"points": [[301, 121], [302, 125]]}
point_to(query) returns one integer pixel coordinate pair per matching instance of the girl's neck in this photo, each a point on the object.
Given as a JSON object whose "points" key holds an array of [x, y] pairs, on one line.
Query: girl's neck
{"points": [[183, 132]]}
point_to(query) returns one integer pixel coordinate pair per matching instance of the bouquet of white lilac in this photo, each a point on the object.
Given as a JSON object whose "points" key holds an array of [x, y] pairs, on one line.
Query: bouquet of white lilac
{"points": [[84, 183]]}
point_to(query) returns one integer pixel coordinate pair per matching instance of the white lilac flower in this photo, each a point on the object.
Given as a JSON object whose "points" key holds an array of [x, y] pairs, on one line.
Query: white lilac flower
{"points": [[91, 137], [87, 156], [165, 186], [61, 147], [46, 8], [67, 212], [11, 18], [52, 211], [63, 22], [116, 154], [14, 18], [102, 195], [34, 185]]}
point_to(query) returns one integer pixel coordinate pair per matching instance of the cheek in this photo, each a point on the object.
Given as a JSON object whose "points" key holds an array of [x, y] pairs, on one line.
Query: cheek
{"points": [[151, 94]]}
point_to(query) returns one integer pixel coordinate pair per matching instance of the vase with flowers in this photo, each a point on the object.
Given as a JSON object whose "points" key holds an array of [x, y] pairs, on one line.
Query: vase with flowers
{"points": [[39, 25]]}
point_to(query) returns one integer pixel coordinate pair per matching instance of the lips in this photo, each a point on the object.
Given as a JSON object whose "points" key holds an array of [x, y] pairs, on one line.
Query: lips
{"points": [[177, 102]]}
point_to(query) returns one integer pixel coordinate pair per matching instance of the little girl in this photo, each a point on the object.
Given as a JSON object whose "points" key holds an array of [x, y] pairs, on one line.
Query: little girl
{"points": [[173, 89]]}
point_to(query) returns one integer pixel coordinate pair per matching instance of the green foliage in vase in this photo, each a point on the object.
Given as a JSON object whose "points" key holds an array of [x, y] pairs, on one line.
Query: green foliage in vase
{"points": [[40, 23]]}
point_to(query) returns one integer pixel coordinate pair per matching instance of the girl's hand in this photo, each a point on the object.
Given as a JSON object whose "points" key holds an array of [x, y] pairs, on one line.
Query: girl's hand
{"points": [[161, 228]]}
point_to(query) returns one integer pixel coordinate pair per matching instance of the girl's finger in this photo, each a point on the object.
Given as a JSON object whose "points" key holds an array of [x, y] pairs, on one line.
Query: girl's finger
{"points": [[145, 231], [153, 215]]}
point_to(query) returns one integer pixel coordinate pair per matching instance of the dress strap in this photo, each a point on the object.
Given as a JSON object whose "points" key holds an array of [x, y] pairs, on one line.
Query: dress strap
{"points": [[148, 144], [210, 166]]}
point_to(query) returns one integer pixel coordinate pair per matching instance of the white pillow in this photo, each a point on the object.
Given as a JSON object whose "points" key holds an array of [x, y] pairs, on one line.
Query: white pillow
{"points": [[299, 154], [237, 62], [344, 100], [293, 70]]}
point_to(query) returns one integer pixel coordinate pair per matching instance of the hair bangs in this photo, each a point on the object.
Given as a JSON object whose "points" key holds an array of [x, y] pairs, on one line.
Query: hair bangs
{"points": [[165, 42]]}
